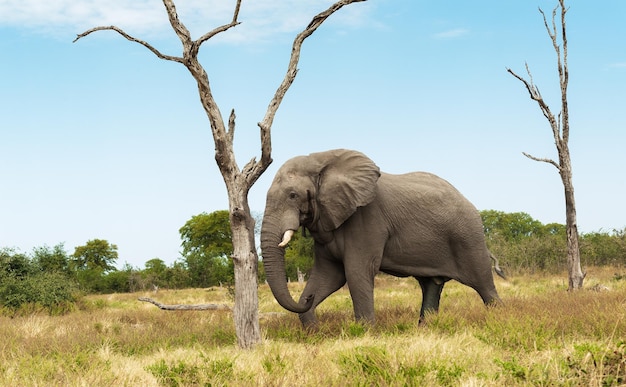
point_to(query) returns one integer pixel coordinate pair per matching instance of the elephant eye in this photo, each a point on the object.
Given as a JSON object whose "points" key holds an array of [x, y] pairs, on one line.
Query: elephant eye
{"points": [[293, 195]]}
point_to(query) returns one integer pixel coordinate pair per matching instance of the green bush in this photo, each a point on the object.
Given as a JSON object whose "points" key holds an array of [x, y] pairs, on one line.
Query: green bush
{"points": [[531, 254], [53, 292], [604, 248]]}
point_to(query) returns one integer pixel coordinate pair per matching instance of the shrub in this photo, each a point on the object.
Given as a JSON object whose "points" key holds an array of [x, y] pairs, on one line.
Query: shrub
{"points": [[604, 248], [53, 292]]}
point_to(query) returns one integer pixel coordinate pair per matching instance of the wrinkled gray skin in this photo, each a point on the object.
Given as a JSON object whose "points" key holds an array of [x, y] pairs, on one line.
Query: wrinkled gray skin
{"points": [[364, 221]]}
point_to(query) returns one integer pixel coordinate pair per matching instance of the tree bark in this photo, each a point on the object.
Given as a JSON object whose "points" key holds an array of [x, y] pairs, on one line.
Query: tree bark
{"points": [[575, 274], [246, 260]]}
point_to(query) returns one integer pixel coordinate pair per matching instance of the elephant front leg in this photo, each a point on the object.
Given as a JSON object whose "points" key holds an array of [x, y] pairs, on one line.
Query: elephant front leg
{"points": [[431, 295], [308, 319], [361, 285], [326, 278]]}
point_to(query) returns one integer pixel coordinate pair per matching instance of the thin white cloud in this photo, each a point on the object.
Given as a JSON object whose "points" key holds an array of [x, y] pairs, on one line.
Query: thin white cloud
{"points": [[618, 65], [452, 34], [260, 19]]}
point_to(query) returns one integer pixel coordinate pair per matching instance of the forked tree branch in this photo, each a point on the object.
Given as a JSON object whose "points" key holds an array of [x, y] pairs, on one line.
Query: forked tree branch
{"points": [[179, 28], [292, 70], [560, 124], [535, 95], [184, 34], [223, 137], [181, 31], [223, 28]]}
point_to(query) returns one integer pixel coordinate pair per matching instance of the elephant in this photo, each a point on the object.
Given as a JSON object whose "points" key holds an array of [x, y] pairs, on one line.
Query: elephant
{"points": [[364, 221]]}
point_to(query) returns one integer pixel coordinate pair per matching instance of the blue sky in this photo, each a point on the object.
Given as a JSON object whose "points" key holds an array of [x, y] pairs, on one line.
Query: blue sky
{"points": [[101, 139]]}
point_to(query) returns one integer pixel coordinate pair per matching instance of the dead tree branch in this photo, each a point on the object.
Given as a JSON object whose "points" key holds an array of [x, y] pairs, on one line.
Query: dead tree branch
{"points": [[543, 160], [226, 160], [185, 307], [535, 95], [224, 155], [560, 124], [223, 28], [292, 70], [132, 39]]}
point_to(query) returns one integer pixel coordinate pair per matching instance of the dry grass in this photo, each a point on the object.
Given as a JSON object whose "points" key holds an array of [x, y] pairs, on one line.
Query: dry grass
{"points": [[542, 336]]}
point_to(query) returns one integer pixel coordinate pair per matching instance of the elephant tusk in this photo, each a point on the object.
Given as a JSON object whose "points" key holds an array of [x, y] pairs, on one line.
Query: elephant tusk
{"points": [[286, 238]]}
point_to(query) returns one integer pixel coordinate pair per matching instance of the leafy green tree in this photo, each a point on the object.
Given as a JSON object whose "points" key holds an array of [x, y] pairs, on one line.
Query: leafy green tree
{"points": [[91, 280], [92, 262], [135, 279], [207, 247], [177, 276], [156, 266], [554, 229], [510, 226], [118, 281], [14, 265], [95, 254], [51, 260], [155, 272]]}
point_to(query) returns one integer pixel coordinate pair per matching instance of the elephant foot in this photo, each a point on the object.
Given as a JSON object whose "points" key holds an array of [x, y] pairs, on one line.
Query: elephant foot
{"points": [[311, 327], [366, 320], [309, 322], [426, 316], [494, 302]]}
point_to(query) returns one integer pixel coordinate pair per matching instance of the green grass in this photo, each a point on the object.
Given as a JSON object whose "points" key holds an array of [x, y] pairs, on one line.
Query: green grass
{"points": [[543, 335]]}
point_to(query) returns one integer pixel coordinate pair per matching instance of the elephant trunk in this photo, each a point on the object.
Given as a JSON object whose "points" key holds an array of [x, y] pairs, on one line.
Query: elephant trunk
{"points": [[274, 262]]}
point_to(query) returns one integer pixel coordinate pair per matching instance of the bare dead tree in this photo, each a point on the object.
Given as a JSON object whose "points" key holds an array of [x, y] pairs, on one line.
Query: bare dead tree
{"points": [[560, 132], [238, 181]]}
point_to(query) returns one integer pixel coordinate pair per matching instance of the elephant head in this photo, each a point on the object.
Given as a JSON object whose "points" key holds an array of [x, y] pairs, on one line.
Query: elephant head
{"points": [[319, 192]]}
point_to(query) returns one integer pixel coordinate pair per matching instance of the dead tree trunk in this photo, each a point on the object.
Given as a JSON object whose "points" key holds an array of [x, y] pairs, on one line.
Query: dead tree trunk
{"points": [[560, 132], [238, 181]]}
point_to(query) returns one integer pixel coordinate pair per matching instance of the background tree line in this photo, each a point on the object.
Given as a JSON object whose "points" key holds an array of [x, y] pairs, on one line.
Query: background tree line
{"points": [[524, 244], [52, 279]]}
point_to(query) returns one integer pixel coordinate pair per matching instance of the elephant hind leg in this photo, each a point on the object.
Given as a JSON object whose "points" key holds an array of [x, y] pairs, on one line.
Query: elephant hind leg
{"points": [[490, 297], [431, 294]]}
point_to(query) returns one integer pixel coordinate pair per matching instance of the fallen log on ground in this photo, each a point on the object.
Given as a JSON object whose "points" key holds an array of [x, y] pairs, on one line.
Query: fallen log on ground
{"points": [[185, 307]]}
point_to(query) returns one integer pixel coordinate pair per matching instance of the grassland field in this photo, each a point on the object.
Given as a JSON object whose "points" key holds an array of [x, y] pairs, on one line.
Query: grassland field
{"points": [[542, 336]]}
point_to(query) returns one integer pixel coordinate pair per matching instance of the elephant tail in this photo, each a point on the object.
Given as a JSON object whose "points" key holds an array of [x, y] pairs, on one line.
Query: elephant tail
{"points": [[499, 271]]}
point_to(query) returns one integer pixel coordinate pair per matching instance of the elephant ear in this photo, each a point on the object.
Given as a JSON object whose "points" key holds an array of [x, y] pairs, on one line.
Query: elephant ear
{"points": [[347, 180]]}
